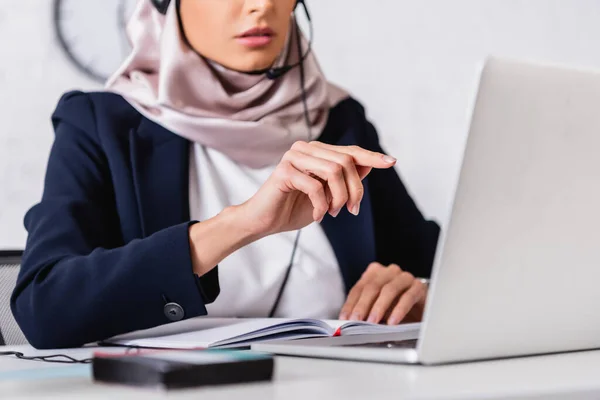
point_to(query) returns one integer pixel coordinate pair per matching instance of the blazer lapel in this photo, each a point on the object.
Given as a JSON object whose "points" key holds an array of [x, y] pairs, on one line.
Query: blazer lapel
{"points": [[160, 166]]}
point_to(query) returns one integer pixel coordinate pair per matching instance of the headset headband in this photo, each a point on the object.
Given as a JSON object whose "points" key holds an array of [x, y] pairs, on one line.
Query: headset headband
{"points": [[163, 5]]}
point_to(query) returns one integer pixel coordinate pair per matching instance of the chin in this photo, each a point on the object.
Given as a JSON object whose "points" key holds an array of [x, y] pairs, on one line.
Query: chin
{"points": [[256, 61]]}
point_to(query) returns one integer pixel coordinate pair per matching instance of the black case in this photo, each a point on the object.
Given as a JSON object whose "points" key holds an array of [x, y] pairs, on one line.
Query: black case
{"points": [[150, 370]]}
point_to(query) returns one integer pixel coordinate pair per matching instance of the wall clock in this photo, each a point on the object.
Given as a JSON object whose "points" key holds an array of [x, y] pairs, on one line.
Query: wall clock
{"points": [[92, 34]]}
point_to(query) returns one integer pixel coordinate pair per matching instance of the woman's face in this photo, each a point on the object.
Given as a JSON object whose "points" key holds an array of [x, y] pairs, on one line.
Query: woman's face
{"points": [[243, 35]]}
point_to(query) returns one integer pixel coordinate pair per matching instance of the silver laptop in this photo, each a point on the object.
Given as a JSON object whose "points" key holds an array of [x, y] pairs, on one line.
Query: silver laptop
{"points": [[517, 271]]}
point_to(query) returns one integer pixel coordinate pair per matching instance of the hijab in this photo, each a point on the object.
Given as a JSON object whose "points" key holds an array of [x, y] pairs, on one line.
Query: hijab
{"points": [[250, 118]]}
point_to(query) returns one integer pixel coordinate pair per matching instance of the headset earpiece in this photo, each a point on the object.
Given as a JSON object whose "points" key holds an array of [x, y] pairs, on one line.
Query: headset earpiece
{"points": [[163, 5]]}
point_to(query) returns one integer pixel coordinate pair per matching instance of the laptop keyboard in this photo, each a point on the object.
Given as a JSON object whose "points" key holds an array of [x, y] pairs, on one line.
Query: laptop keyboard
{"points": [[393, 344]]}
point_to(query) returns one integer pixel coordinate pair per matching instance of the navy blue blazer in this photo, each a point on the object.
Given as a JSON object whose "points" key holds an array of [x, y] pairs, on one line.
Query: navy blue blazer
{"points": [[108, 243]]}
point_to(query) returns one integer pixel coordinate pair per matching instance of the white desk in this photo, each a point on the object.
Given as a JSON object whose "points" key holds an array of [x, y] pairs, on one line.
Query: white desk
{"points": [[566, 376]]}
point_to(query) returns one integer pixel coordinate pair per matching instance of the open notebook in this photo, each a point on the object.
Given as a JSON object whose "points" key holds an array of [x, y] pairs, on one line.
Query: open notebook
{"points": [[232, 332]]}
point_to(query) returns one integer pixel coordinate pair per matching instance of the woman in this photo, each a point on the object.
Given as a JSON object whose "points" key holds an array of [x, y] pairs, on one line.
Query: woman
{"points": [[204, 123]]}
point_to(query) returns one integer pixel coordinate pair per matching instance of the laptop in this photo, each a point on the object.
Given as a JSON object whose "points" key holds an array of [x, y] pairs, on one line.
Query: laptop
{"points": [[517, 271]]}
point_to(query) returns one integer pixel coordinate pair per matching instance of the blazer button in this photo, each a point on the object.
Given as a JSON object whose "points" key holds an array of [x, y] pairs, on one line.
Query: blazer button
{"points": [[173, 311]]}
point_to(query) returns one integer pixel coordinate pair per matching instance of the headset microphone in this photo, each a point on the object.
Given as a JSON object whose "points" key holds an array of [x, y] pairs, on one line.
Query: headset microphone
{"points": [[278, 72]]}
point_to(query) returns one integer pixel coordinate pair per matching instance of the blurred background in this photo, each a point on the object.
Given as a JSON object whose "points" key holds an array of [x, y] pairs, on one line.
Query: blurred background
{"points": [[413, 64]]}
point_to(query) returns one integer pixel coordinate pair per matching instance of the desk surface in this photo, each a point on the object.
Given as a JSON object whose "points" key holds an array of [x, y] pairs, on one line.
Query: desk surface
{"points": [[572, 376]]}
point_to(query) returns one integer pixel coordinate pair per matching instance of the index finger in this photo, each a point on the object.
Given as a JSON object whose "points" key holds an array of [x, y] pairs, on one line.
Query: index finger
{"points": [[362, 157]]}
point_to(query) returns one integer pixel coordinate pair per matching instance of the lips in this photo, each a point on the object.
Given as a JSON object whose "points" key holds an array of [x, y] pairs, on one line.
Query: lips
{"points": [[257, 32], [256, 37]]}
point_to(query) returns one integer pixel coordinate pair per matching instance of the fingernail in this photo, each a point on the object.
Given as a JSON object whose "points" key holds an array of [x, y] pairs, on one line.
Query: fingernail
{"points": [[372, 319], [320, 219], [343, 316], [355, 317], [393, 321], [389, 159], [335, 213], [355, 209]]}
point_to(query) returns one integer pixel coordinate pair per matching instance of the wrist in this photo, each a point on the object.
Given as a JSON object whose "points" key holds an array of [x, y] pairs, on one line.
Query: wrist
{"points": [[214, 239], [245, 223], [236, 220]]}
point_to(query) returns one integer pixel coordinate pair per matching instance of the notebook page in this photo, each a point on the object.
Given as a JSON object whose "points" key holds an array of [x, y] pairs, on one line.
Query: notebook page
{"points": [[285, 329], [247, 330], [335, 324]]}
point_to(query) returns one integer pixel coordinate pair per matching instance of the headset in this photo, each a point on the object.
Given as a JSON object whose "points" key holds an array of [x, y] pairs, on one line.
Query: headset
{"points": [[272, 73]]}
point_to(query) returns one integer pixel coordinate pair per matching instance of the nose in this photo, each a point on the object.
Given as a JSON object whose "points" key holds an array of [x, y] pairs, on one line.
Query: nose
{"points": [[259, 6]]}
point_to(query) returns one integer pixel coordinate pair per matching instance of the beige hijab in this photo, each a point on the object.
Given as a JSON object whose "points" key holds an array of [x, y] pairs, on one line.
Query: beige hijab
{"points": [[250, 118]]}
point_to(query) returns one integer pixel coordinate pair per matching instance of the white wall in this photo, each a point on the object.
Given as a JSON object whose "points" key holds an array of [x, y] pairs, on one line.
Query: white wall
{"points": [[33, 74], [413, 64]]}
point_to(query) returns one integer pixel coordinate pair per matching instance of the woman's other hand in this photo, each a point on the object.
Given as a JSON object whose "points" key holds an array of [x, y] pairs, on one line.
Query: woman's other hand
{"points": [[386, 294], [311, 180]]}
